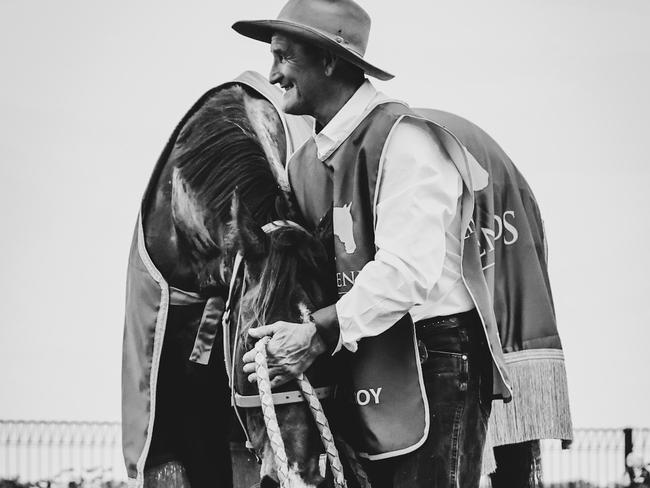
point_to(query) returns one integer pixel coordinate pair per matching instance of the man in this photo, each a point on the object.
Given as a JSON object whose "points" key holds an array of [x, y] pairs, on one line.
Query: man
{"points": [[399, 192]]}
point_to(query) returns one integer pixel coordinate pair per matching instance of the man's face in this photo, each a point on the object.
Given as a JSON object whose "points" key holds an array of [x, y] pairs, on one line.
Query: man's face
{"points": [[300, 72]]}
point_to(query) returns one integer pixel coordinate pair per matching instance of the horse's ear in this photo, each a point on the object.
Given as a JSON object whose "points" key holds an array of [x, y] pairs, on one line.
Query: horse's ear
{"points": [[286, 208], [283, 206], [244, 234], [324, 231]]}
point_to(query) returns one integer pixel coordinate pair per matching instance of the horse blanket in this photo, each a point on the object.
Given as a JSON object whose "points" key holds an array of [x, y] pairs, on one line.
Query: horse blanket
{"points": [[514, 258], [149, 296]]}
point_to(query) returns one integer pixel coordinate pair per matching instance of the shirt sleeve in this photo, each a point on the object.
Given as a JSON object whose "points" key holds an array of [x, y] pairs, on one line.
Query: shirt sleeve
{"points": [[418, 197]]}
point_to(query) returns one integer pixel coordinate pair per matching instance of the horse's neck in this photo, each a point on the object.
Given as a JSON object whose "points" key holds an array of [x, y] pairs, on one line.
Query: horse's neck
{"points": [[171, 256]]}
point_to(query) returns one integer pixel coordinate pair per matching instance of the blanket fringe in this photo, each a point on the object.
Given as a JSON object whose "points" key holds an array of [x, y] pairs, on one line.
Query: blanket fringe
{"points": [[489, 463], [540, 403]]}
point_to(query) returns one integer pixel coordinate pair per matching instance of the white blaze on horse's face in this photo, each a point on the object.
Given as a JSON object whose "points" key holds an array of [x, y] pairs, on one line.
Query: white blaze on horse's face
{"points": [[295, 481], [343, 227], [310, 475]]}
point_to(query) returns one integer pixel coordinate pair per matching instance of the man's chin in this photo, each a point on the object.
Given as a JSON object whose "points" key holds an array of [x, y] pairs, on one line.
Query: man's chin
{"points": [[289, 109], [292, 108]]}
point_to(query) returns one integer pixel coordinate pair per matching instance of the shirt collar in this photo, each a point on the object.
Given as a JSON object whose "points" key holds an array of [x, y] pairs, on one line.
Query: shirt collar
{"points": [[346, 119]]}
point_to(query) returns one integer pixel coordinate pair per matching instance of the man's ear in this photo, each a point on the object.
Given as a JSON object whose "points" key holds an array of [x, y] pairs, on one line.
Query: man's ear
{"points": [[244, 235], [330, 60]]}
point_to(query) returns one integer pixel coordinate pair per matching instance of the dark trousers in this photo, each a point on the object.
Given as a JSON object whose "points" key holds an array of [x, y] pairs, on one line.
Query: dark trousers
{"points": [[457, 371], [518, 466]]}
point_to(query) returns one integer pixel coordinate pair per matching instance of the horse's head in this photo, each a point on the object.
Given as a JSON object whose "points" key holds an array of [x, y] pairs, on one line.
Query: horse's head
{"points": [[232, 138], [286, 276]]}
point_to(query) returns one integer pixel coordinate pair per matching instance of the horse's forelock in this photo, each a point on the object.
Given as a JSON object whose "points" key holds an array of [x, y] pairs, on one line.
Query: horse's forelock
{"points": [[294, 259]]}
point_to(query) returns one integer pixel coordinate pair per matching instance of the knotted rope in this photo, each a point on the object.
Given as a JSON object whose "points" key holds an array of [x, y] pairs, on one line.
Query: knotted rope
{"points": [[268, 409], [273, 429], [324, 428]]}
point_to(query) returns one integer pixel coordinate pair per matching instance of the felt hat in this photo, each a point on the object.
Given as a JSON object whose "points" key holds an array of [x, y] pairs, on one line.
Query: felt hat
{"points": [[341, 26]]}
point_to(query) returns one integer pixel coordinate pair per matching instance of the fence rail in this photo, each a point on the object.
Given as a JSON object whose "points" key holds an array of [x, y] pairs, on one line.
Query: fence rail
{"points": [[38, 450], [596, 458]]}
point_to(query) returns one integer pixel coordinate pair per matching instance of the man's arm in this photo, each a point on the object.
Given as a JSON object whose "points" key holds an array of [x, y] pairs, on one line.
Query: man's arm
{"points": [[418, 198]]}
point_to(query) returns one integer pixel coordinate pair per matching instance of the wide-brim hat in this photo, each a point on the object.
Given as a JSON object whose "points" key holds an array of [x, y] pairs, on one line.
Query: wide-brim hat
{"points": [[341, 26]]}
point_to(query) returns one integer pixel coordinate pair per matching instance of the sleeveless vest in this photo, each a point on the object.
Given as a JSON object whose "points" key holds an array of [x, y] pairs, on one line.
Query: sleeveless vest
{"points": [[343, 188]]}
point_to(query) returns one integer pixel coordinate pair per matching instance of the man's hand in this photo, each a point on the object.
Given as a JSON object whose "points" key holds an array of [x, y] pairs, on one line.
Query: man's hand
{"points": [[291, 350]]}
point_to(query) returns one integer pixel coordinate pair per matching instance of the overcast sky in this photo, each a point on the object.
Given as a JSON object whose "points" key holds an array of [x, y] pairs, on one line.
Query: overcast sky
{"points": [[90, 92]]}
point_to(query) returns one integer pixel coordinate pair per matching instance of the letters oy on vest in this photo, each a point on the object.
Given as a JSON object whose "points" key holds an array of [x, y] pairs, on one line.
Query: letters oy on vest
{"points": [[364, 397]]}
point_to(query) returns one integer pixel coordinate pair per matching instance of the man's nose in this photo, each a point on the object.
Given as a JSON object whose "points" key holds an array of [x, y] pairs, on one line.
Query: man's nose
{"points": [[275, 76]]}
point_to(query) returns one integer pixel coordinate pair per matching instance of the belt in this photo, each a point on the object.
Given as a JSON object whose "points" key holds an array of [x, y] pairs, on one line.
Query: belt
{"points": [[446, 321]]}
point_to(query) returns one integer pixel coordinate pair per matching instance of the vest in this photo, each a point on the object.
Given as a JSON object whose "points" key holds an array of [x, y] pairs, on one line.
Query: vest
{"points": [[344, 189]]}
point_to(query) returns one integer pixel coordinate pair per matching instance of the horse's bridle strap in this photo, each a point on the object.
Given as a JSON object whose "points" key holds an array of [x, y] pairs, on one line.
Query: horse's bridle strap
{"points": [[281, 398], [278, 224]]}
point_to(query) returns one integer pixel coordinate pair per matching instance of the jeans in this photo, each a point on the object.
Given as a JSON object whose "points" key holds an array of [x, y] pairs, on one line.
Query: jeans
{"points": [[457, 371], [518, 466]]}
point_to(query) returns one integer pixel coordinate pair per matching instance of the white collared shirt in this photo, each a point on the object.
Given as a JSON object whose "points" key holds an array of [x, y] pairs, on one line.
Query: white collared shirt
{"points": [[417, 265]]}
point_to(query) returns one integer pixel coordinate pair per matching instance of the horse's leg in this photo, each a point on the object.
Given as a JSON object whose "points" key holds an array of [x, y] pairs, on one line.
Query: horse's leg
{"points": [[168, 475], [207, 424], [205, 414], [245, 468], [193, 413]]}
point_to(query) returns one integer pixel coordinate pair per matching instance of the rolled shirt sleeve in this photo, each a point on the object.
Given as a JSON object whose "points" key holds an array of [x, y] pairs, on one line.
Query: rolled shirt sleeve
{"points": [[418, 199]]}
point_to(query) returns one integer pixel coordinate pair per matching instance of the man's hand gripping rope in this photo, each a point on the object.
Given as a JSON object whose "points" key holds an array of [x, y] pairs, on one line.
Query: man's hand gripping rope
{"points": [[273, 429]]}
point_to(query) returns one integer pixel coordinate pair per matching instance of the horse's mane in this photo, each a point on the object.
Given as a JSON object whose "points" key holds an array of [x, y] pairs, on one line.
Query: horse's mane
{"points": [[218, 154], [218, 151]]}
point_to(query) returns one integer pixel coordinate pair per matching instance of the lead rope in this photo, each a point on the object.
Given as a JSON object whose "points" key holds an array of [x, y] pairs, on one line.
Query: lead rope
{"points": [[324, 428], [268, 409], [271, 421], [315, 406], [355, 465]]}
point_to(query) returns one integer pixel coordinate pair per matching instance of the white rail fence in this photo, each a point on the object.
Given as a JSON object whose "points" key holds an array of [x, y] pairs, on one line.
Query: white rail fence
{"points": [[61, 451], [596, 458], [91, 451]]}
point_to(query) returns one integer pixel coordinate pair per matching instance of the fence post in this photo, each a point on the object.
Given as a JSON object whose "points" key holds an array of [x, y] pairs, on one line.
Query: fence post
{"points": [[627, 432]]}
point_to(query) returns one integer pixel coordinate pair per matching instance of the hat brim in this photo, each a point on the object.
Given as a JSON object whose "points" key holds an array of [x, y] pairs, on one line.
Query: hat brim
{"points": [[263, 30]]}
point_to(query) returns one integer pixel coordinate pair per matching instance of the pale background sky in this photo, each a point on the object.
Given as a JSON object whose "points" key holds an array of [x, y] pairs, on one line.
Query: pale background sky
{"points": [[90, 91]]}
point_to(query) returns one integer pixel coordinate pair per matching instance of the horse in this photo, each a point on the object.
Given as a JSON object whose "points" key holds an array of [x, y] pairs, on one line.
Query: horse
{"points": [[230, 147]]}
